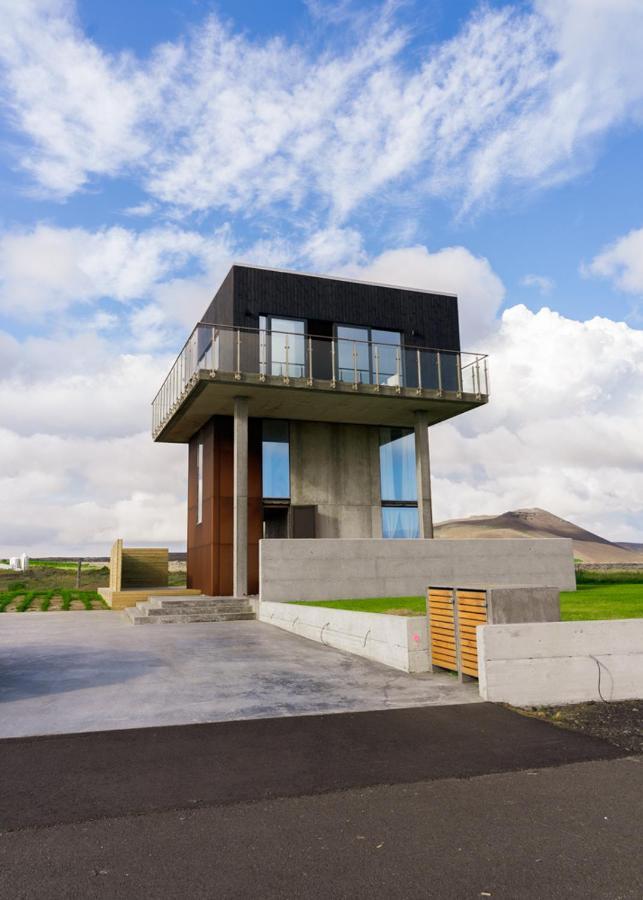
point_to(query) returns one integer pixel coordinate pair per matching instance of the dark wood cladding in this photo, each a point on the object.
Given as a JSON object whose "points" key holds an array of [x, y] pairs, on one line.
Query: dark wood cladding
{"points": [[210, 543], [426, 319]]}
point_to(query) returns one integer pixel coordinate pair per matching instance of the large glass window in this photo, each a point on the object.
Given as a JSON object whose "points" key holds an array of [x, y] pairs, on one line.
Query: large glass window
{"points": [[353, 357], [398, 485], [387, 357], [397, 465], [369, 355], [275, 458], [288, 347], [400, 522]]}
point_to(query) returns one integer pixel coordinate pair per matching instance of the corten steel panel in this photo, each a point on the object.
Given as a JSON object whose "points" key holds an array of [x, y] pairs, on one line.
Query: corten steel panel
{"points": [[426, 319], [210, 544], [255, 503]]}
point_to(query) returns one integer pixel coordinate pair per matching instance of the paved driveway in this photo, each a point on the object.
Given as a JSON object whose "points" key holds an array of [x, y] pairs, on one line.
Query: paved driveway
{"points": [[76, 671]]}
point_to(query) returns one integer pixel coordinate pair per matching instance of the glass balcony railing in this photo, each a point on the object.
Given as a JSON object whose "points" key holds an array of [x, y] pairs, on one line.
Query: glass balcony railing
{"points": [[279, 357]]}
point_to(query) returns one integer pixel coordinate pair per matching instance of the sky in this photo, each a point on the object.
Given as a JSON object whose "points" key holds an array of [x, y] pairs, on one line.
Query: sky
{"points": [[493, 150]]}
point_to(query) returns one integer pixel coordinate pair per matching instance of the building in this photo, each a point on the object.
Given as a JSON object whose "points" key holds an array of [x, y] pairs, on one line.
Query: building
{"points": [[305, 402]]}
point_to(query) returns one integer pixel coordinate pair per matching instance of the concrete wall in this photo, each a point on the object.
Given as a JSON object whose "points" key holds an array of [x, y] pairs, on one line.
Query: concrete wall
{"points": [[523, 604], [538, 664], [396, 641], [336, 468], [338, 569]]}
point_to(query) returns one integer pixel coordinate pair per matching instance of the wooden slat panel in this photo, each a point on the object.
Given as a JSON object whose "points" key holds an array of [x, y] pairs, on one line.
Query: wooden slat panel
{"points": [[472, 611]]}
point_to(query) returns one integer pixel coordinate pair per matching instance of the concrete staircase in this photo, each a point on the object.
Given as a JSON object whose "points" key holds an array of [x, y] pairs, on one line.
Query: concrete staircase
{"points": [[171, 610]]}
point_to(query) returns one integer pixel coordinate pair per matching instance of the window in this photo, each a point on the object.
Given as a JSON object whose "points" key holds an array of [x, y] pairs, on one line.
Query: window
{"points": [[369, 355], [387, 357], [353, 358], [282, 347], [398, 485], [199, 483], [275, 459]]}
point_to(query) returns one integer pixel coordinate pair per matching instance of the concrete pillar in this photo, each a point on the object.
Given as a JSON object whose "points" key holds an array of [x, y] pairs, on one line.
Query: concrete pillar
{"points": [[423, 473], [240, 506]]}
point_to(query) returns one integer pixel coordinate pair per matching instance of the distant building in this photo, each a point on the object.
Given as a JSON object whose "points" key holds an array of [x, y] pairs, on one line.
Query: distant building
{"points": [[306, 402]]}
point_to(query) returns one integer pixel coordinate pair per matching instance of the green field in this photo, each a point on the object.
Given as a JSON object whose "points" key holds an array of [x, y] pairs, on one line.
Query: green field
{"points": [[589, 601]]}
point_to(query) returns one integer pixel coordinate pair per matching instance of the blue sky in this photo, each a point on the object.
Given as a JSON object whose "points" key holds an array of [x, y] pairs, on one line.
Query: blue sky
{"points": [[491, 149]]}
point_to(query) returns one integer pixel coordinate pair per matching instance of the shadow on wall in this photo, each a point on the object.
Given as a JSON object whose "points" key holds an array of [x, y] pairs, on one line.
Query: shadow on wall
{"points": [[34, 671]]}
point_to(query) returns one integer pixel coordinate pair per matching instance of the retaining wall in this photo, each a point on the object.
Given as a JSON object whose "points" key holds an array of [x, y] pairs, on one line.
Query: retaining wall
{"points": [[397, 641], [549, 663], [338, 569]]}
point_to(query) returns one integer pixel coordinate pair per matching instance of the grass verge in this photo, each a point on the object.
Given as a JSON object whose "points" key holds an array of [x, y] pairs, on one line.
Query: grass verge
{"points": [[589, 601]]}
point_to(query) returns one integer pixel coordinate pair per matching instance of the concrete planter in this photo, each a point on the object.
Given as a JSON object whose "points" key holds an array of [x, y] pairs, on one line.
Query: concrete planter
{"points": [[396, 641]]}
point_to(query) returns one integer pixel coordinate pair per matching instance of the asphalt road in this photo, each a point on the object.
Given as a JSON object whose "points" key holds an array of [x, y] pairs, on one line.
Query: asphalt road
{"points": [[444, 802]]}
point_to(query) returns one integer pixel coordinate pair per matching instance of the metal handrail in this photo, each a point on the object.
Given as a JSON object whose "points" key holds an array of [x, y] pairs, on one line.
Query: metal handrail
{"points": [[185, 367]]}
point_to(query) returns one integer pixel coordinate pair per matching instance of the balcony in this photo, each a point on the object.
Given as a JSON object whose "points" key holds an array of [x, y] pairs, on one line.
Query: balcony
{"points": [[295, 376]]}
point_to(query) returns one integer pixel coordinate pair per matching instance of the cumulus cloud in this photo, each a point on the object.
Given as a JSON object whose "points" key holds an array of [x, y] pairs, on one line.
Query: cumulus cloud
{"points": [[48, 269], [562, 429], [452, 270], [91, 491], [621, 262], [519, 95]]}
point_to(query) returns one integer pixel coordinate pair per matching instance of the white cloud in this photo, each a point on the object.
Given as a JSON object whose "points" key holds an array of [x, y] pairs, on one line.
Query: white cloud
{"points": [[622, 262], [48, 269], [81, 108], [452, 270], [562, 429], [216, 120], [543, 283], [91, 491]]}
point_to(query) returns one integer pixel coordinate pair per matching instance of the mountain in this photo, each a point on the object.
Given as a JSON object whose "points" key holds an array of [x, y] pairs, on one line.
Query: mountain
{"points": [[538, 523]]}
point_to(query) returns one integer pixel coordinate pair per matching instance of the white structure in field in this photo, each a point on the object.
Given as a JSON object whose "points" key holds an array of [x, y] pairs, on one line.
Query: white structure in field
{"points": [[17, 563]]}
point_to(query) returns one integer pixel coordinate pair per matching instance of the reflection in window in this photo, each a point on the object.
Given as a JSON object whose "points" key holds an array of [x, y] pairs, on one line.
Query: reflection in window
{"points": [[397, 464], [387, 357], [400, 522], [369, 355], [275, 459], [288, 347], [398, 485], [353, 358]]}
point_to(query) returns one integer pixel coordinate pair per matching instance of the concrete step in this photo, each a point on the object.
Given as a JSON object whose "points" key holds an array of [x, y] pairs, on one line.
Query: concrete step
{"points": [[198, 610], [162, 609], [137, 618], [198, 604]]}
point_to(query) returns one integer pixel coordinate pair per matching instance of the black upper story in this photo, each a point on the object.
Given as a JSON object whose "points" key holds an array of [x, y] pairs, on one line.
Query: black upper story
{"points": [[252, 297]]}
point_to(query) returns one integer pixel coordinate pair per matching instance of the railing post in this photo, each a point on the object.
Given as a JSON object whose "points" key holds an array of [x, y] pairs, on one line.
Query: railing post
{"points": [[398, 365], [438, 362], [478, 378], [237, 374], [458, 360], [376, 354], [419, 366], [287, 375], [354, 367], [310, 361], [333, 381], [486, 377]]}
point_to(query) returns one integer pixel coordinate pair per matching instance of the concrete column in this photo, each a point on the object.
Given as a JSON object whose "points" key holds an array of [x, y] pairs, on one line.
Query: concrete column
{"points": [[240, 507], [423, 473]]}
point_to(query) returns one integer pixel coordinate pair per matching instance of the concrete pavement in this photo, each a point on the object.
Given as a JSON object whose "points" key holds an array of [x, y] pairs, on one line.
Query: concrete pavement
{"points": [[67, 672]]}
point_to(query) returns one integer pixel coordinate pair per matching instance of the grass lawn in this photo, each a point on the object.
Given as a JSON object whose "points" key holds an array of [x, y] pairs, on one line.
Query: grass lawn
{"points": [[602, 601], [589, 601]]}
